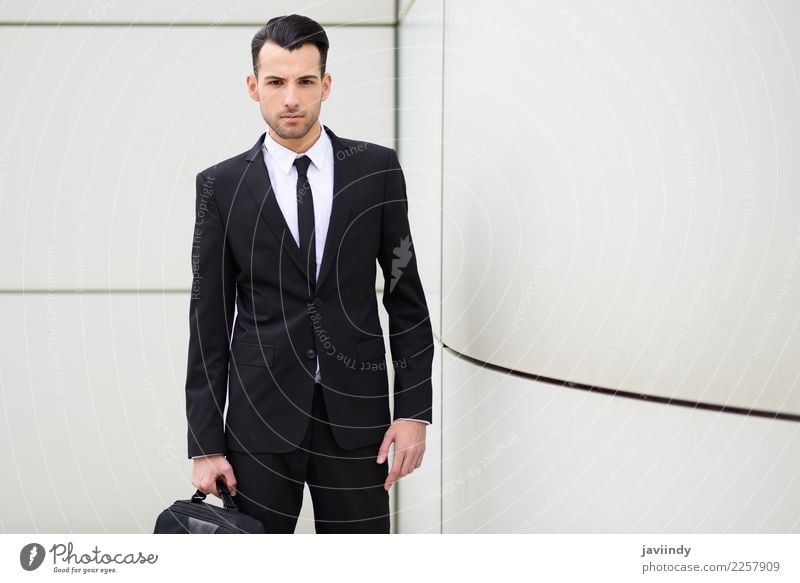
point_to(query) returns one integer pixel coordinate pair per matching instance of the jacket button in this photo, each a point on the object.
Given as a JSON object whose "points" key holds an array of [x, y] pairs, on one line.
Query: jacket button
{"points": [[317, 302], [310, 353]]}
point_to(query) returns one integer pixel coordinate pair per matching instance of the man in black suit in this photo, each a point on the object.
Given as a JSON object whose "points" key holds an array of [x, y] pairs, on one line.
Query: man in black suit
{"points": [[287, 234]]}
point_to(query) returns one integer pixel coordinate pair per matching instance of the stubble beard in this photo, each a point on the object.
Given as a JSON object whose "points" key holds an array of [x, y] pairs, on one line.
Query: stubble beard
{"points": [[288, 133]]}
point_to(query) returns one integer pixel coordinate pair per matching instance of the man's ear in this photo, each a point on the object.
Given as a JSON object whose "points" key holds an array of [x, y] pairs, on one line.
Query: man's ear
{"points": [[327, 80], [252, 86]]}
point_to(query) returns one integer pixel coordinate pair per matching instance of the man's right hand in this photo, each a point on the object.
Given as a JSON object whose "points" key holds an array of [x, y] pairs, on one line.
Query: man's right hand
{"points": [[206, 471]]}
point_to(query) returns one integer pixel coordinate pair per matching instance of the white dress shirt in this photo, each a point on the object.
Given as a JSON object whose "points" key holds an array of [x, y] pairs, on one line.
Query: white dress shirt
{"points": [[279, 161]]}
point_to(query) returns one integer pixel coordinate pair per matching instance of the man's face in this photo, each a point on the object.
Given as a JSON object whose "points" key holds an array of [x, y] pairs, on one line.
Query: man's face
{"points": [[289, 90]]}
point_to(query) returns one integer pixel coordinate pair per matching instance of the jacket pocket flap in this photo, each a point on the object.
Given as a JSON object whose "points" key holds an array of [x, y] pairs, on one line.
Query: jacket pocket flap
{"points": [[252, 354], [370, 349]]}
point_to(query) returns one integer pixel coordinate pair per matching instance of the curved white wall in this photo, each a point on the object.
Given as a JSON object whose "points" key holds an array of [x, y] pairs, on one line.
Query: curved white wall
{"points": [[621, 195], [523, 456]]}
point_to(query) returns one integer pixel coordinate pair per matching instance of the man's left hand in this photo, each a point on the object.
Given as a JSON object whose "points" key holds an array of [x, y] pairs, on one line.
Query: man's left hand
{"points": [[409, 447]]}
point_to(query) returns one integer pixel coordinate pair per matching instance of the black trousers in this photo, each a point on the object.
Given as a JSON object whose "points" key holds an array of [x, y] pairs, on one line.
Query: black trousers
{"points": [[346, 485]]}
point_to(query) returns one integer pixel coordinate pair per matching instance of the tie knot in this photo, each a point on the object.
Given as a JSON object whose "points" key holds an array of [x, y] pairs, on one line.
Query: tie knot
{"points": [[302, 163]]}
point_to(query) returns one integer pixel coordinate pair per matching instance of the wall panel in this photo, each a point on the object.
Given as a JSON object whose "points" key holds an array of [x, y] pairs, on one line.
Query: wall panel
{"points": [[105, 11], [523, 456], [92, 389], [104, 137]]}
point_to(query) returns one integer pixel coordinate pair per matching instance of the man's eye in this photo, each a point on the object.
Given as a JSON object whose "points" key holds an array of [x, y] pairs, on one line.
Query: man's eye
{"points": [[273, 82]]}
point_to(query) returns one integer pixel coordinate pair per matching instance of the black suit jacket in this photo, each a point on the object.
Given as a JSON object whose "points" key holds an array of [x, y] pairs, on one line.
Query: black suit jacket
{"points": [[244, 255]]}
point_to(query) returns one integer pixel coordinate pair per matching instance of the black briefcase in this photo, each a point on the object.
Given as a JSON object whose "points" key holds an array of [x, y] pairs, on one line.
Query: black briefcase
{"points": [[195, 516]]}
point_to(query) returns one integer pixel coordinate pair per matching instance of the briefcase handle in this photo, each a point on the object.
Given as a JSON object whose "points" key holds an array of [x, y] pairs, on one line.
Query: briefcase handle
{"points": [[227, 499]]}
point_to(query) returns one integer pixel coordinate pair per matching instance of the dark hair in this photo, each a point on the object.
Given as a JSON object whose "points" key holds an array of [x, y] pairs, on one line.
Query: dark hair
{"points": [[291, 32]]}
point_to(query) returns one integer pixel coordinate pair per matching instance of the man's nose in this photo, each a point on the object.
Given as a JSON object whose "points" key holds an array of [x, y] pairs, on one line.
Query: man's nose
{"points": [[290, 97]]}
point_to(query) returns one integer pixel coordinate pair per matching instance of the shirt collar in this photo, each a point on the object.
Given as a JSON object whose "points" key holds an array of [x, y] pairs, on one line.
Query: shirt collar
{"points": [[319, 152]]}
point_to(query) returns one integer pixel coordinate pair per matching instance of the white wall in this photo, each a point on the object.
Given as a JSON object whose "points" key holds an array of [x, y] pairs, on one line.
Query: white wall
{"points": [[93, 410], [620, 195], [620, 210], [112, 126], [420, 149], [336, 12], [523, 456], [102, 129]]}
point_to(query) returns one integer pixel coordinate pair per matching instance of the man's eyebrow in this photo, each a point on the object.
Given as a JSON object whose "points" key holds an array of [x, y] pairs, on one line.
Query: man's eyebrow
{"points": [[309, 76]]}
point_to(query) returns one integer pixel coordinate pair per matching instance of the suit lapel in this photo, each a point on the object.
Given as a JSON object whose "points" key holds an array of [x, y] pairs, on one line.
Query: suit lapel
{"points": [[258, 184], [345, 172]]}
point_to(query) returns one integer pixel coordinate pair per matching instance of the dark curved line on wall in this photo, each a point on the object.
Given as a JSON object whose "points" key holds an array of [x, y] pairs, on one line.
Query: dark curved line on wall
{"points": [[626, 394]]}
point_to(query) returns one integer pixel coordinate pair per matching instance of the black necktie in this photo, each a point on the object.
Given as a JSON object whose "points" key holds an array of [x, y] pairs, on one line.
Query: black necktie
{"points": [[305, 221]]}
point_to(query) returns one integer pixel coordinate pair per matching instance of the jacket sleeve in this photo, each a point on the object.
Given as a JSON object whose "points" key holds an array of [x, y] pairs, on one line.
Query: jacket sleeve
{"points": [[211, 312], [410, 335]]}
